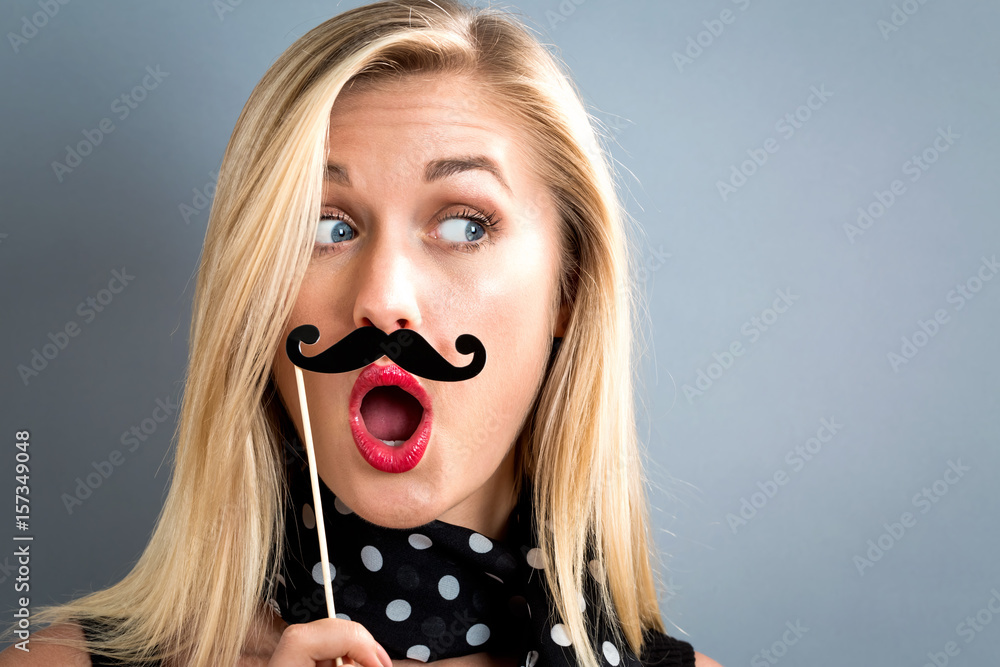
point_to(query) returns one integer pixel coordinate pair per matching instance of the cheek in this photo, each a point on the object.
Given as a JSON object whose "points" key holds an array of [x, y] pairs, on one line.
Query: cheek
{"points": [[326, 397], [486, 418], [283, 373], [512, 319], [515, 292], [314, 304]]}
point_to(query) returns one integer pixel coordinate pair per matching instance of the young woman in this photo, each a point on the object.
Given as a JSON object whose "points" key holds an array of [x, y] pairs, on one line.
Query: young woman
{"points": [[426, 170]]}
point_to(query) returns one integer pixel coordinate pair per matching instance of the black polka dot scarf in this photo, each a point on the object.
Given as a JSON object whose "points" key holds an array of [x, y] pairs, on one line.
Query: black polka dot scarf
{"points": [[427, 593]]}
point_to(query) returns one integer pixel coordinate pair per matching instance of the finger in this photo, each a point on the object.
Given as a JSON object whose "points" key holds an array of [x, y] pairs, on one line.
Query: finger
{"points": [[323, 640]]}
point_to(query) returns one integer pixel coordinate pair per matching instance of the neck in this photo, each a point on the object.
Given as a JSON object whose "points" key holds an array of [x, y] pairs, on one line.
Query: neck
{"points": [[488, 509]]}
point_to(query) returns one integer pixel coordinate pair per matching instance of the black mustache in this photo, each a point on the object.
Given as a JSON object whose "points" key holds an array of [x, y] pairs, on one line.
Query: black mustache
{"points": [[407, 349]]}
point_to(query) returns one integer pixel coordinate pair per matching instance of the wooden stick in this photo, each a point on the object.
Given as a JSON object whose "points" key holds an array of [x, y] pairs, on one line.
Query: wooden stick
{"points": [[317, 503]]}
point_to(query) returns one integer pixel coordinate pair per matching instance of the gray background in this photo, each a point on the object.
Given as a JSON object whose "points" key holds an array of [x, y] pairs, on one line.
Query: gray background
{"points": [[713, 263]]}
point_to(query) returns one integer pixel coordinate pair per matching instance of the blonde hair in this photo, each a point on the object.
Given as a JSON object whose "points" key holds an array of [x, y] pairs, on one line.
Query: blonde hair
{"points": [[196, 590]]}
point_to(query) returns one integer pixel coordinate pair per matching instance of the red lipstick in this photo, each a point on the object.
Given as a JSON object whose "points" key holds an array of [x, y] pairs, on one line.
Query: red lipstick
{"points": [[379, 455]]}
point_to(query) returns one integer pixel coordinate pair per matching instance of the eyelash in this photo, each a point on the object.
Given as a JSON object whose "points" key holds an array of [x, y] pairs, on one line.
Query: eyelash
{"points": [[486, 220]]}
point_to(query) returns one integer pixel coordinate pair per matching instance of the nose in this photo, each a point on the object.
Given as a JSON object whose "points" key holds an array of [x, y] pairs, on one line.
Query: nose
{"points": [[387, 282]]}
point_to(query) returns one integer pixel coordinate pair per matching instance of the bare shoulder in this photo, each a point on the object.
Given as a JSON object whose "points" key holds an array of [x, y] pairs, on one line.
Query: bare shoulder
{"points": [[44, 654], [263, 639], [704, 661], [260, 645]]}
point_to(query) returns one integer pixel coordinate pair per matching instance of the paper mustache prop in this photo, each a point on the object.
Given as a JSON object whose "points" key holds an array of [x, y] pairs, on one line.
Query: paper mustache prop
{"points": [[407, 349]]}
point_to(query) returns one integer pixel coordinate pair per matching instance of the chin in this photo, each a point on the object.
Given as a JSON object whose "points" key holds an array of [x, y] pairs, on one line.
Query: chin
{"points": [[400, 519], [394, 507]]}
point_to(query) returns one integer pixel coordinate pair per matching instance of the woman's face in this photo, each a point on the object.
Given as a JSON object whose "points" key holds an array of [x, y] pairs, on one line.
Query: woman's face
{"points": [[396, 249]]}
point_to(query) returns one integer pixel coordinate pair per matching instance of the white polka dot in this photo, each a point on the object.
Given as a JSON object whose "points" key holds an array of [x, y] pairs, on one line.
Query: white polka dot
{"points": [[477, 634], [273, 604], [341, 506], [535, 558], [418, 541], [448, 587], [560, 636], [583, 603], [372, 558], [480, 543], [308, 516], [595, 569], [398, 610], [418, 652], [343, 616], [531, 659], [281, 579], [317, 572], [611, 653]]}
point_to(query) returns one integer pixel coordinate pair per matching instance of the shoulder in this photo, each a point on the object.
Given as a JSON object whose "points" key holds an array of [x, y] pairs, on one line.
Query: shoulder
{"points": [[260, 645], [44, 654], [662, 649], [263, 638], [704, 661]]}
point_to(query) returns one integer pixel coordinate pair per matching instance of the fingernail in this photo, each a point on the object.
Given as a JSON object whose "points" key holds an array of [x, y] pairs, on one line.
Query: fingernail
{"points": [[383, 657]]}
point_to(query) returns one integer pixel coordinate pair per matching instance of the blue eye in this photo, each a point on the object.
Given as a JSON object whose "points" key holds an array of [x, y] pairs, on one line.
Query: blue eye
{"points": [[466, 231], [333, 230], [462, 229]]}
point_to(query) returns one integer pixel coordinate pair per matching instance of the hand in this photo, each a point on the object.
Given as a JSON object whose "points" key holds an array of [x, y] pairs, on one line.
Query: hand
{"points": [[320, 642]]}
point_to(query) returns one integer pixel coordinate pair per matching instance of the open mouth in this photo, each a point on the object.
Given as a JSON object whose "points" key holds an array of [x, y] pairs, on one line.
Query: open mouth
{"points": [[390, 418], [391, 414]]}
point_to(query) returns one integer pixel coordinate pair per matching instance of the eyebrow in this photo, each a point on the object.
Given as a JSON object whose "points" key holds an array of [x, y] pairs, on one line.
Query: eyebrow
{"points": [[435, 169]]}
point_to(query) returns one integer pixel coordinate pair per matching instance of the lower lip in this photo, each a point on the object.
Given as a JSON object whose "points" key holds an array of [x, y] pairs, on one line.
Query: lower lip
{"points": [[381, 456]]}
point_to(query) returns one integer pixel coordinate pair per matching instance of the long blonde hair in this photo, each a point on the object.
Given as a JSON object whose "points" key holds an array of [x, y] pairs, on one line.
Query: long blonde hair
{"points": [[196, 590]]}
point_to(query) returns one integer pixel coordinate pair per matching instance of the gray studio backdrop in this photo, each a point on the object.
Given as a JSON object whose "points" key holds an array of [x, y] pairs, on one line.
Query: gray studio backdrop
{"points": [[816, 182]]}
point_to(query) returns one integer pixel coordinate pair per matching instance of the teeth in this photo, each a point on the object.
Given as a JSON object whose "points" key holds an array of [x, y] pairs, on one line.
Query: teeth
{"points": [[393, 443]]}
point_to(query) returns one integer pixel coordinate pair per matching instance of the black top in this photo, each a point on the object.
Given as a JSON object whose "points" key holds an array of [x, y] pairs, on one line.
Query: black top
{"points": [[660, 650]]}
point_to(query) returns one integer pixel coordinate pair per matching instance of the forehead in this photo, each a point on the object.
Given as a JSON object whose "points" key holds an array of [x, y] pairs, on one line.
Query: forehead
{"points": [[423, 114], [453, 97]]}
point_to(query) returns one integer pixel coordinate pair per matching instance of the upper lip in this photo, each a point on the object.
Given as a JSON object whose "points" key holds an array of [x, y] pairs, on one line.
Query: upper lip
{"points": [[375, 375]]}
